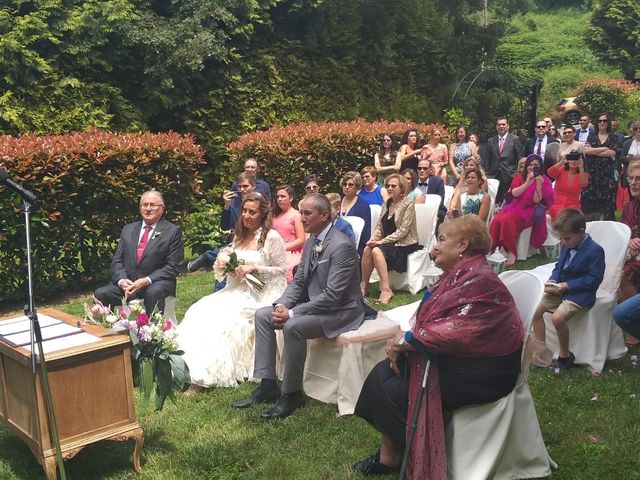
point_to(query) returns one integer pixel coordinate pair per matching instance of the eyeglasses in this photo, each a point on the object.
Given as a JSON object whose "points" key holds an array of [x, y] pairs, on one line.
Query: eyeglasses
{"points": [[541, 126], [636, 129], [602, 120], [423, 168], [311, 187], [152, 206], [391, 185], [635, 179]]}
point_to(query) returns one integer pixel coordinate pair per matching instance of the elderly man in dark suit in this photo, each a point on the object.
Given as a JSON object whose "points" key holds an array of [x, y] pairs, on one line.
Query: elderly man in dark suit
{"points": [[147, 260], [323, 300], [430, 184], [505, 150]]}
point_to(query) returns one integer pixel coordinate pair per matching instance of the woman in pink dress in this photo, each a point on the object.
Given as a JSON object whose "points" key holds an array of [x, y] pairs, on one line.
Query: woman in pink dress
{"points": [[530, 195], [570, 179], [286, 221], [438, 154]]}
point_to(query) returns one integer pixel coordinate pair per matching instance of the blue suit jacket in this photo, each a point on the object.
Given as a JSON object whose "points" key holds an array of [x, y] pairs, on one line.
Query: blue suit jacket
{"points": [[583, 275], [581, 137]]}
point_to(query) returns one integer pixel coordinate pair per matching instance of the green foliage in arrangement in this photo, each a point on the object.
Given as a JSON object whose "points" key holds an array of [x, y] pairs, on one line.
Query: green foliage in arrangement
{"points": [[327, 149], [614, 35], [89, 185], [601, 95]]}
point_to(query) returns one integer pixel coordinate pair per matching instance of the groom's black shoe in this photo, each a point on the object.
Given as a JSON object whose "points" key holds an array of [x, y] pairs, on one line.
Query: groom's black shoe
{"points": [[259, 395], [286, 405]]}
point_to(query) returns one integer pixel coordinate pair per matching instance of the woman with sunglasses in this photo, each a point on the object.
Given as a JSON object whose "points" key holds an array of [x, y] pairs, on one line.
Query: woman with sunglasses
{"points": [[570, 179], [599, 197], [386, 159], [555, 133], [353, 205], [395, 237]]}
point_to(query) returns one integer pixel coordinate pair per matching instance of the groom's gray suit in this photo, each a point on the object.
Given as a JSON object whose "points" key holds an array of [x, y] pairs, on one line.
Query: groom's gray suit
{"points": [[325, 300]]}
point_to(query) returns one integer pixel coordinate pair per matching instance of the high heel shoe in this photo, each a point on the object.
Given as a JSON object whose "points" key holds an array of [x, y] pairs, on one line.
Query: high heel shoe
{"points": [[385, 298]]}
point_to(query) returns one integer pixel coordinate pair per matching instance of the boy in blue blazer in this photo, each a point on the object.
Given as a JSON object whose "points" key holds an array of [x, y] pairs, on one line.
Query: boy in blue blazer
{"points": [[573, 283]]}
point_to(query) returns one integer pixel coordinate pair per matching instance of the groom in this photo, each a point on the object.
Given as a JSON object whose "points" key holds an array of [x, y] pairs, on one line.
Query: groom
{"points": [[323, 300]]}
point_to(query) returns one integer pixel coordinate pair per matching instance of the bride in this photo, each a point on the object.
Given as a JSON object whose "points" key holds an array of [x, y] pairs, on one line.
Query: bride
{"points": [[217, 333]]}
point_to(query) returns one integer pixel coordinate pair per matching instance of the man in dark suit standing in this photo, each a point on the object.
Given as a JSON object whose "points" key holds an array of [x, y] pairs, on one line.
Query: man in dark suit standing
{"points": [[147, 260], [431, 184], [538, 144], [504, 152], [323, 300]]}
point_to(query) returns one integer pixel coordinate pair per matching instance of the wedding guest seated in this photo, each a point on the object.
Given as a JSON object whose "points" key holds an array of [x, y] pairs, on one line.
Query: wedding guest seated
{"points": [[415, 194], [570, 179], [630, 282], [147, 260], [371, 192], [468, 323], [251, 166], [572, 286], [525, 206], [428, 183], [339, 222], [353, 205], [286, 221], [217, 333], [322, 301], [471, 163], [394, 238], [473, 200]]}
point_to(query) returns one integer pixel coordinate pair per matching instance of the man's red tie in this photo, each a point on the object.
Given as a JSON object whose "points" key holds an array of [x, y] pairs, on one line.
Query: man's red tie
{"points": [[143, 243], [539, 152]]}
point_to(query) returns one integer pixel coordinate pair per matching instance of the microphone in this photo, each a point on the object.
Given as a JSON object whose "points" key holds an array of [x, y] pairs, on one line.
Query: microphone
{"points": [[23, 192]]}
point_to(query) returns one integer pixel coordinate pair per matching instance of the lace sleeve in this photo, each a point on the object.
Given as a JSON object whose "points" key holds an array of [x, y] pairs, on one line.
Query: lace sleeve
{"points": [[274, 253]]}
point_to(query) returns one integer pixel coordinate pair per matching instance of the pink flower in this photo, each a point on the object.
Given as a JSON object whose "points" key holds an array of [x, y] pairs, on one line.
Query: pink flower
{"points": [[124, 311], [142, 319], [168, 325]]}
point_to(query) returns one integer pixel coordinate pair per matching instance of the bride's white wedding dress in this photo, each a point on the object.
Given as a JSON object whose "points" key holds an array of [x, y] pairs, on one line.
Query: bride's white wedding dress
{"points": [[217, 333]]}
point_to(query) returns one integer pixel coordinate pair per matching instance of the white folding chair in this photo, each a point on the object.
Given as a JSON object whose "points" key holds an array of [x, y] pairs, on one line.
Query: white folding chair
{"points": [[502, 440], [448, 193], [413, 279], [594, 336], [357, 224], [169, 306]]}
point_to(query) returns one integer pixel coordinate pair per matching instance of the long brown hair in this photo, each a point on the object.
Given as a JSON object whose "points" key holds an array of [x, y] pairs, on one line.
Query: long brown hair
{"points": [[241, 232], [287, 188]]}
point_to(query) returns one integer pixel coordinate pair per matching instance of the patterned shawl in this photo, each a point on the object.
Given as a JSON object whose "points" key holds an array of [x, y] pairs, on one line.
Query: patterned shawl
{"points": [[470, 313]]}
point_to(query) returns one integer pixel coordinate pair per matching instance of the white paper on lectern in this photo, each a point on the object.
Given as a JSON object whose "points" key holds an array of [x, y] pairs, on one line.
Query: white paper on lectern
{"points": [[23, 324], [48, 332], [70, 341]]}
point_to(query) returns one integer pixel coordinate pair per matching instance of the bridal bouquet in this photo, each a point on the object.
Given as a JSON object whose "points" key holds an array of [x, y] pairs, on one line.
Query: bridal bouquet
{"points": [[227, 261], [155, 357]]}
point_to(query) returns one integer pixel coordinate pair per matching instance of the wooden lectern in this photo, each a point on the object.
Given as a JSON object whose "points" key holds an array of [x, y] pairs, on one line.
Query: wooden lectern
{"points": [[92, 392]]}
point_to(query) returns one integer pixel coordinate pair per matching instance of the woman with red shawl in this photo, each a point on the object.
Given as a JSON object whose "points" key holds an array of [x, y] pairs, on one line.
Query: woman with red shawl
{"points": [[469, 324]]}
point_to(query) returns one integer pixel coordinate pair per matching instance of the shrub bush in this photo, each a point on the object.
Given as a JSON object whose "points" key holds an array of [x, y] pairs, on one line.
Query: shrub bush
{"points": [[88, 185], [328, 149], [611, 96]]}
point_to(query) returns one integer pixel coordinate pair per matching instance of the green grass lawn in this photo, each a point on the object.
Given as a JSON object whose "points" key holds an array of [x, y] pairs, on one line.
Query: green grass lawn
{"points": [[202, 437]]}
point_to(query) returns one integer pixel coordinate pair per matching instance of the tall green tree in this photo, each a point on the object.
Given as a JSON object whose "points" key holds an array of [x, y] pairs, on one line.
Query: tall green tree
{"points": [[614, 35]]}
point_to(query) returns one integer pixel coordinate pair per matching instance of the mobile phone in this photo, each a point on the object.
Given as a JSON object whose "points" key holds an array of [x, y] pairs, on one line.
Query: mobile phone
{"points": [[573, 156], [536, 171]]}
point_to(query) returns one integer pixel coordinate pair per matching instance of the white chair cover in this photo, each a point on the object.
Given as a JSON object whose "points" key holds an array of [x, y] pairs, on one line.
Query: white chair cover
{"points": [[594, 336], [169, 306], [357, 224], [336, 369], [448, 194], [524, 249], [492, 186], [375, 215], [413, 280], [502, 440]]}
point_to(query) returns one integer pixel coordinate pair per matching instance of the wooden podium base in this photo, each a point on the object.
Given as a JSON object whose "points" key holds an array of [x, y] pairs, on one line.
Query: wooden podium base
{"points": [[91, 389]]}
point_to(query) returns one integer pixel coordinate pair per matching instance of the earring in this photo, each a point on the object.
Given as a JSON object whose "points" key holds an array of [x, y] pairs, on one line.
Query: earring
{"points": [[460, 254]]}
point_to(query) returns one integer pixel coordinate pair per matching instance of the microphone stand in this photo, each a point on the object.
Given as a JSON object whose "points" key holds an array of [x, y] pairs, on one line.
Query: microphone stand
{"points": [[36, 337]]}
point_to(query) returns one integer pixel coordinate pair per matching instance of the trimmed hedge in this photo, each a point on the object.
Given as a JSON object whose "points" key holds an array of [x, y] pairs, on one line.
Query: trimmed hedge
{"points": [[328, 149], [88, 185], [605, 95]]}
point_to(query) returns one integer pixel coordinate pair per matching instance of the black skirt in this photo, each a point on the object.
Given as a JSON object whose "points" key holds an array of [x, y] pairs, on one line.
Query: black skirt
{"points": [[396, 256], [463, 381]]}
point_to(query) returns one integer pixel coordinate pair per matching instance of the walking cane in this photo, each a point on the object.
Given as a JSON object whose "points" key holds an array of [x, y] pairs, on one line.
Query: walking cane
{"points": [[416, 409]]}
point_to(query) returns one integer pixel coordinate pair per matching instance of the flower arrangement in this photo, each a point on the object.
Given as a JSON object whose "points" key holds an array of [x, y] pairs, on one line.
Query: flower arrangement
{"points": [[155, 356], [227, 261]]}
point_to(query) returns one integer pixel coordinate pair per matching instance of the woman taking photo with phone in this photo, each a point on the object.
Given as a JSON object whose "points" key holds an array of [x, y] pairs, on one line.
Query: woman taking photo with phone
{"points": [[570, 179]]}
